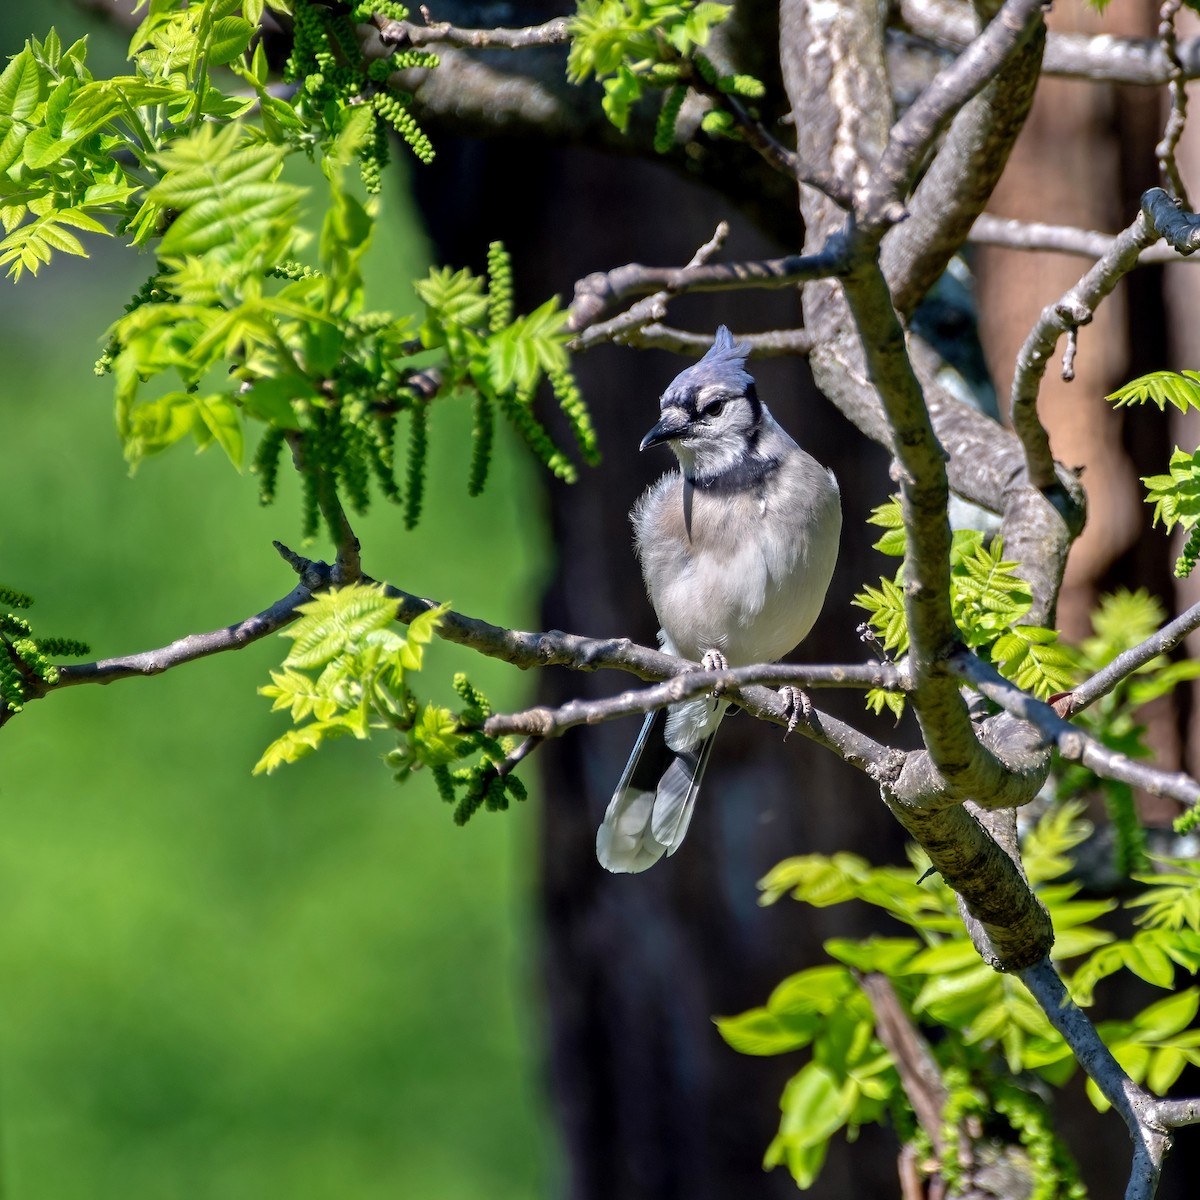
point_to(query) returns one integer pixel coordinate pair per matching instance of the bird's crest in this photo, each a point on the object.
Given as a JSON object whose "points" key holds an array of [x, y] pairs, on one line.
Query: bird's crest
{"points": [[724, 363]]}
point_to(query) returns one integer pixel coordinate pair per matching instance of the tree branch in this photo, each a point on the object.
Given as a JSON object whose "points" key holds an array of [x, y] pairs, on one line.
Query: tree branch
{"points": [[1075, 308], [551, 722], [554, 32], [1013, 234], [881, 202], [596, 293], [1140, 1111], [1124, 665], [1069, 740]]}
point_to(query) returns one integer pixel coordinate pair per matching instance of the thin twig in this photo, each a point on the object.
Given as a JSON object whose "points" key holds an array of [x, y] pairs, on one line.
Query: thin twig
{"points": [[1124, 665], [1075, 308], [1177, 117], [555, 32], [596, 293], [1069, 740], [551, 722], [1036, 236], [771, 344]]}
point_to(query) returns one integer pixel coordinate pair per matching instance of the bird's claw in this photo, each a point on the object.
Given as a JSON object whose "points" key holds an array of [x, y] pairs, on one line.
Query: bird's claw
{"points": [[796, 704], [714, 660]]}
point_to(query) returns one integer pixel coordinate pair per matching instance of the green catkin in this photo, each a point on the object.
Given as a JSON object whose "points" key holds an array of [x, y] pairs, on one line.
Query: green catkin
{"points": [[13, 598], [500, 287], [1129, 841], [516, 789], [668, 115], [293, 269], [476, 707], [1190, 554], [443, 782], [472, 798], [418, 446], [742, 85], [395, 112], [704, 66], [310, 505], [378, 449], [537, 439], [362, 13], [353, 466], [13, 626], [495, 798], [149, 292], [481, 444], [64, 647], [12, 694], [266, 464], [570, 400]]}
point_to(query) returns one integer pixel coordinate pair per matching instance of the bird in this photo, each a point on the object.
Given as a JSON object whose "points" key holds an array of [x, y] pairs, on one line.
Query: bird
{"points": [[737, 549]]}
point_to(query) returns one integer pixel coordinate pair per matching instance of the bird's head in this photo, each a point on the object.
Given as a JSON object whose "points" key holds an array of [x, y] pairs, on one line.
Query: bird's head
{"points": [[711, 415]]}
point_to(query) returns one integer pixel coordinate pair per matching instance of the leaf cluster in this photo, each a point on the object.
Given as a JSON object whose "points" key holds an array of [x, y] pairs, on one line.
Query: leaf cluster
{"points": [[26, 657], [976, 1016], [502, 359], [350, 671], [988, 600], [236, 328], [635, 46], [1175, 495]]}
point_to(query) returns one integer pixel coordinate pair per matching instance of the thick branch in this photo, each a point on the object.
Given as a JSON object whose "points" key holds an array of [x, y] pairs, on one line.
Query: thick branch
{"points": [[882, 200], [960, 180]]}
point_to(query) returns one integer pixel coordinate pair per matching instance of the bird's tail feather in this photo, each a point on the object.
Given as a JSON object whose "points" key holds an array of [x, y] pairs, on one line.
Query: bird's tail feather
{"points": [[651, 808]]}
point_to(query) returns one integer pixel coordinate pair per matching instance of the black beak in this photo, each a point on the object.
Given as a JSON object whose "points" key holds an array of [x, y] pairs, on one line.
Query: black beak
{"points": [[674, 422]]}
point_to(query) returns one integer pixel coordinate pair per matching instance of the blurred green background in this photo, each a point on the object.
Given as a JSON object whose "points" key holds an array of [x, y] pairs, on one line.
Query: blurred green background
{"points": [[311, 985]]}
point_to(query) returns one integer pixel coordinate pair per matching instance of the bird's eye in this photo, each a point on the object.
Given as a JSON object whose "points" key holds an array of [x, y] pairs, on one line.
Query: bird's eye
{"points": [[713, 409]]}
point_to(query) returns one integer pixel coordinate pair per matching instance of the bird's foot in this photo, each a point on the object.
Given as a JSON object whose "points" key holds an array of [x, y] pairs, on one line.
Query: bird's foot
{"points": [[796, 704], [714, 660]]}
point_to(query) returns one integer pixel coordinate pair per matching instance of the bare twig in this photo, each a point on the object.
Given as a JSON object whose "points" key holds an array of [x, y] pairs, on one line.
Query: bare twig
{"points": [[1102, 58], [550, 722], [1069, 740], [597, 292], [1013, 234], [1177, 117], [1124, 665], [314, 577], [1075, 308], [555, 32], [773, 343]]}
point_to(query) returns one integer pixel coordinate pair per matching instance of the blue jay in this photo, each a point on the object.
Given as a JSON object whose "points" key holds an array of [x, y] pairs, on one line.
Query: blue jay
{"points": [[737, 549]]}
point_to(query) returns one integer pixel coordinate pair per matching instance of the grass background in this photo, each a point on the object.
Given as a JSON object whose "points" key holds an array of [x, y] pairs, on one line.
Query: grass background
{"points": [[311, 985]]}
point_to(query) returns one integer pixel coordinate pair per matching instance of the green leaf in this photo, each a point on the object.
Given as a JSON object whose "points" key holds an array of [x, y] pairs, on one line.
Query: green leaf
{"points": [[228, 40], [1176, 496], [336, 621], [297, 744], [1167, 1017], [21, 86], [1178, 388], [223, 419]]}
